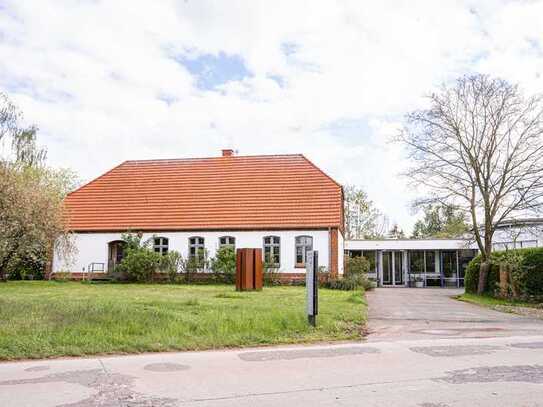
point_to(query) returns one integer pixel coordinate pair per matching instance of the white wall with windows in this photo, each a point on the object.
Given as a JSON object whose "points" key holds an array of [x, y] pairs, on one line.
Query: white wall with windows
{"points": [[94, 249], [518, 238]]}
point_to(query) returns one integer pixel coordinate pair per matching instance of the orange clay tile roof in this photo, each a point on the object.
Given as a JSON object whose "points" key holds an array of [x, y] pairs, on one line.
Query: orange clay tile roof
{"points": [[237, 192]]}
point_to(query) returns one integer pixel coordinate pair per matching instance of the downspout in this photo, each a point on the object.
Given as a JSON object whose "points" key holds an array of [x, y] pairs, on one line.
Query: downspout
{"points": [[329, 251]]}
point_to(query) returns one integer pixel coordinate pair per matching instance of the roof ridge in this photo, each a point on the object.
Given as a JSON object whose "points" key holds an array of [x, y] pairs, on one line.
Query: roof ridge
{"points": [[215, 158]]}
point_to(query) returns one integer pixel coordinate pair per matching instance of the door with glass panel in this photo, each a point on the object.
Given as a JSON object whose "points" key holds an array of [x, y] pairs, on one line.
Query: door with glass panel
{"points": [[392, 268], [449, 261]]}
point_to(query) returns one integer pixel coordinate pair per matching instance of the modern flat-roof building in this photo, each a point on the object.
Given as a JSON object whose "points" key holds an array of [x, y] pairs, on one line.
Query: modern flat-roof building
{"points": [[519, 233], [415, 262]]}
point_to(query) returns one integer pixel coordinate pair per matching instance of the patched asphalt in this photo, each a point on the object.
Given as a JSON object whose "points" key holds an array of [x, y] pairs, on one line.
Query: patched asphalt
{"points": [[410, 313]]}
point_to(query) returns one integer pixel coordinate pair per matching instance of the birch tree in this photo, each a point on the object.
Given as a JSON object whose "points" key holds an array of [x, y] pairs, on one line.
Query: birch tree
{"points": [[362, 219], [478, 148]]}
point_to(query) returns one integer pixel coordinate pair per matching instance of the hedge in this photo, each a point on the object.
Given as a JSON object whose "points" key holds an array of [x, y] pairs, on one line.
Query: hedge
{"points": [[532, 263]]}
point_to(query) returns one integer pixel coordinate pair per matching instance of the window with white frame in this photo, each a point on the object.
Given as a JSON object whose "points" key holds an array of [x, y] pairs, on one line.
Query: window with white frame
{"points": [[197, 248], [303, 245], [160, 245], [272, 251], [227, 241]]}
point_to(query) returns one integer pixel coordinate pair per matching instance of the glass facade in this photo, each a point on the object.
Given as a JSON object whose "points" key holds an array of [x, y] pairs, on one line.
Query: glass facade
{"points": [[421, 268]]}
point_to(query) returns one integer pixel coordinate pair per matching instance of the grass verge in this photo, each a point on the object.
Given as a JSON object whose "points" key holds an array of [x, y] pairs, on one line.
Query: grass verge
{"points": [[51, 319], [492, 302]]}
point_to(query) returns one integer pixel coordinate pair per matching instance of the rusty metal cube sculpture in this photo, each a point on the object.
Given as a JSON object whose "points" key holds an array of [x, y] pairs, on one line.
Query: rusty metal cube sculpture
{"points": [[249, 269]]}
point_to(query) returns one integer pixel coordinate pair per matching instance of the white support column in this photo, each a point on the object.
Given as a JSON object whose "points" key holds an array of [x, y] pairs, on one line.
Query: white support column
{"points": [[380, 267], [424, 257], [405, 269], [393, 257]]}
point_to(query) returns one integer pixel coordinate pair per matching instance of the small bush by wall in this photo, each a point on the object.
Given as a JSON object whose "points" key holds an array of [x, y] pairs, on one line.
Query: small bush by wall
{"points": [[223, 265], [355, 277], [531, 276], [533, 267]]}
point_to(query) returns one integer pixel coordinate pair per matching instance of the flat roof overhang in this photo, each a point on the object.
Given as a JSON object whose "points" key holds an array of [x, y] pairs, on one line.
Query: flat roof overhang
{"points": [[410, 244]]}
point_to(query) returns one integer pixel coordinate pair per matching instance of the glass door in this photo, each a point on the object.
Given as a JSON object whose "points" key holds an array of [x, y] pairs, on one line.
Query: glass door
{"points": [[387, 268], [393, 268], [398, 268]]}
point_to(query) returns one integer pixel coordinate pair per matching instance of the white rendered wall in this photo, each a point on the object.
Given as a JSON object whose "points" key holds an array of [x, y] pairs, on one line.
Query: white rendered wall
{"points": [[522, 237], [93, 247]]}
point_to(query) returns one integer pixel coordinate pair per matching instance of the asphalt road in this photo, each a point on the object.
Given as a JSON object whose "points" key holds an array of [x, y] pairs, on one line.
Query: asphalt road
{"points": [[447, 365]]}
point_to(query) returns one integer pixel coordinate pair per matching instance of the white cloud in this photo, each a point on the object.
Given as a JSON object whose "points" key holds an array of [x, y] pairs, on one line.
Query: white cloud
{"points": [[99, 79]]}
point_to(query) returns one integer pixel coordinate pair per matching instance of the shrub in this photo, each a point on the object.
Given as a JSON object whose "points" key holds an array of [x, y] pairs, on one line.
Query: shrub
{"points": [[355, 277], [172, 264], [140, 264], [192, 266], [345, 284], [350, 282], [532, 265], [31, 267], [223, 265], [357, 265], [529, 276]]}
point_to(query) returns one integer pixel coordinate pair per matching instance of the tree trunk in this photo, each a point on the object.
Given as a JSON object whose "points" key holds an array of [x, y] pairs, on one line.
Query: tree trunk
{"points": [[483, 276], [3, 269], [3, 274], [5, 261]]}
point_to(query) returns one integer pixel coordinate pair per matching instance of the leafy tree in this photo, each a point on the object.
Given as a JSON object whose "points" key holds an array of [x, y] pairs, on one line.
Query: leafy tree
{"points": [[31, 194], [478, 147], [440, 221], [362, 219], [31, 218]]}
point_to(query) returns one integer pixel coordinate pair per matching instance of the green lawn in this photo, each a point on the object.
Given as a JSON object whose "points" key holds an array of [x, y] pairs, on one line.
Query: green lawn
{"points": [[50, 319], [491, 302]]}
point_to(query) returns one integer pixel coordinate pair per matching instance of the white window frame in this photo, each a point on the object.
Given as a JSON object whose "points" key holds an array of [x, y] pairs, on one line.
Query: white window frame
{"points": [[197, 242], [274, 243], [230, 241], [162, 246], [306, 247]]}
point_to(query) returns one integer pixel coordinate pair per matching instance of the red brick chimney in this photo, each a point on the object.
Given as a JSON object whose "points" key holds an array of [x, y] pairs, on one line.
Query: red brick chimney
{"points": [[227, 152]]}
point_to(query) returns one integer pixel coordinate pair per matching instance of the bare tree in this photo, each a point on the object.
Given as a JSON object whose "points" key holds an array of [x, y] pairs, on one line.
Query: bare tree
{"points": [[479, 148]]}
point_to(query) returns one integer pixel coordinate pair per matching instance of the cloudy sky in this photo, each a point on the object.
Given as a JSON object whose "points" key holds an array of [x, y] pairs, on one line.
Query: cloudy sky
{"points": [[107, 81]]}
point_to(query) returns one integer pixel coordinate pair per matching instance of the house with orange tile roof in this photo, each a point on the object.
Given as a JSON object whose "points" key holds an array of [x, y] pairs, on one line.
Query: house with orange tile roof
{"points": [[283, 204]]}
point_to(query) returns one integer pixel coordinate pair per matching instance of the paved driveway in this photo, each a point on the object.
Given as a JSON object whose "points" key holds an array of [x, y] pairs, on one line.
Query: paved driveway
{"points": [[408, 313]]}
